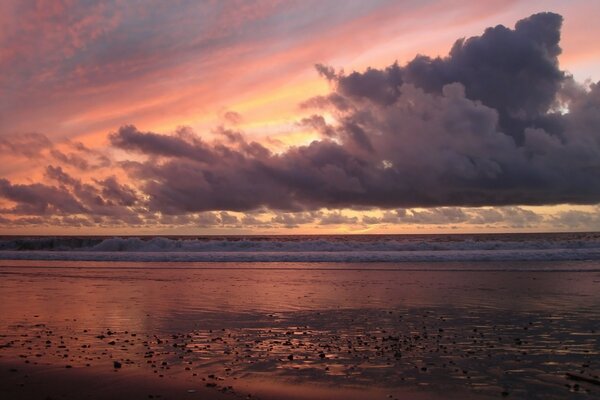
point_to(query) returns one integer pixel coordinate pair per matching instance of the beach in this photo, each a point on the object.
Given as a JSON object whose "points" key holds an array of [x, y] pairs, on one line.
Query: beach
{"points": [[100, 330]]}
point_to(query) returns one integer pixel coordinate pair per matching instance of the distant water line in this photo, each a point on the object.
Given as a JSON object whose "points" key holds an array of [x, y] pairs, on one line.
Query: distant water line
{"points": [[310, 249]]}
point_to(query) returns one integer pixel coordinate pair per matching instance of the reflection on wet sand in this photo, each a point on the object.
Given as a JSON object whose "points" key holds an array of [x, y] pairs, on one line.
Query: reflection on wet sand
{"points": [[362, 334]]}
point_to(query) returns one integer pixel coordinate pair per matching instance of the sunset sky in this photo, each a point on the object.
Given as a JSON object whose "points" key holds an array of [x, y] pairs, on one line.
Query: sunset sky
{"points": [[225, 117]]}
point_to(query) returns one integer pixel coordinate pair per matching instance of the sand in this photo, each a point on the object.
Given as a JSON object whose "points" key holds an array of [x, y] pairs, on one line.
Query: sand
{"points": [[272, 333]]}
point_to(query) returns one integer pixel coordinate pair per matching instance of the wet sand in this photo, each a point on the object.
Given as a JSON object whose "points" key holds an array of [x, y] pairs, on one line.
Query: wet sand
{"points": [[300, 332]]}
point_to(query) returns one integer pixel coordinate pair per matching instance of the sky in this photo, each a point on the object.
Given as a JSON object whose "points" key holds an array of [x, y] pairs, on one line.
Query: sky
{"points": [[239, 117]]}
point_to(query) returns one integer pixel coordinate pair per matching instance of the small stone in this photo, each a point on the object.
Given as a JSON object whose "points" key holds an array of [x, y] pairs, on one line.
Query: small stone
{"points": [[117, 364]]}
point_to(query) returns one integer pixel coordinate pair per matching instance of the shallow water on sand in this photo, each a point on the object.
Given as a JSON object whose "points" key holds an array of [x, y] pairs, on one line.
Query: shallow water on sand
{"points": [[513, 330]]}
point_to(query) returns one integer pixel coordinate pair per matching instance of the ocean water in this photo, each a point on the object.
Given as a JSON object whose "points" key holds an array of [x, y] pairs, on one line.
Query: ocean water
{"points": [[479, 316], [313, 249]]}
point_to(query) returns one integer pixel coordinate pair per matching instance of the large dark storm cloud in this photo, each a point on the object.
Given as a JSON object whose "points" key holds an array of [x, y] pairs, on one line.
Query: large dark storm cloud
{"points": [[515, 72], [485, 125]]}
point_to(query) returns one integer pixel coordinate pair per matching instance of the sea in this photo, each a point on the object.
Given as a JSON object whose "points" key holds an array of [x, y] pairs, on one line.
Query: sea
{"points": [[360, 249]]}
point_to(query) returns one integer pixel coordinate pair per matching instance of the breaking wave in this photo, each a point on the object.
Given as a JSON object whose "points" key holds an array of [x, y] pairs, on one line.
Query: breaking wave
{"points": [[375, 248]]}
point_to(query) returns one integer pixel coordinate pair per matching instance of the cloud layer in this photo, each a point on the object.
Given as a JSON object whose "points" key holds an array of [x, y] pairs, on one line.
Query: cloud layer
{"points": [[494, 123], [483, 126]]}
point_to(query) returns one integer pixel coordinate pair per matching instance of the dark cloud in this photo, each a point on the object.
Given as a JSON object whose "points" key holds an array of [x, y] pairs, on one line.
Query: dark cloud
{"points": [[337, 218], [37, 146], [121, 194], [338, 101], [238, 178], [227, 219], [293, 220], [88, 195], [107, 199], [24, 221], [39, 199], [232, 117], [576, 219], [514, 71], [26, 144], [82, 157], [423, 150], [57, 174], [514, 217], [318, 123], [379, 86], [326, 71], [180, 145], [75, 221], [510, 216], [251, 220], [207, 219], [71, 159], [445, 215]]}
